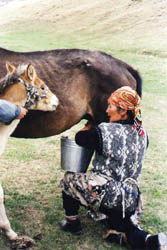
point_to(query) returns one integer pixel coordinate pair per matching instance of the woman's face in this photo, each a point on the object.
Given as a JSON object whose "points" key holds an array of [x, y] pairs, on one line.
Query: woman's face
{"points": [[115, 115]]}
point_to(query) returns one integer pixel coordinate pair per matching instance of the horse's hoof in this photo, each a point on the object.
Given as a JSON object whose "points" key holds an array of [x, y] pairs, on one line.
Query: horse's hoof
{"points": [[22, 242]]}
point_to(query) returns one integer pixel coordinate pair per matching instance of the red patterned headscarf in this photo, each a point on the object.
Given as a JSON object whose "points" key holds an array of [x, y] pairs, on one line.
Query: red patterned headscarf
{"points": [[128, 99]]}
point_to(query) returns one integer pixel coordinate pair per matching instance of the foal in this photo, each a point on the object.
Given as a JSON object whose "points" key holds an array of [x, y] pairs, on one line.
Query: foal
{"points": [[23, 87]]}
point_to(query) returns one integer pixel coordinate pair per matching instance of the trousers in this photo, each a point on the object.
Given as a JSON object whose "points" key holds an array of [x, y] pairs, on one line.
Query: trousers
{"points": [[135, 235]]}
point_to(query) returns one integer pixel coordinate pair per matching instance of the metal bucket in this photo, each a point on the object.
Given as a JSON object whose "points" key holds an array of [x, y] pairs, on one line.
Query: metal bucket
{"points": [[73, 157]]}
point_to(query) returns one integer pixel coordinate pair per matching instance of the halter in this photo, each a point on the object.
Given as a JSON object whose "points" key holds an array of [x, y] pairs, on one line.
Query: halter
{"points": [[32, 94]]}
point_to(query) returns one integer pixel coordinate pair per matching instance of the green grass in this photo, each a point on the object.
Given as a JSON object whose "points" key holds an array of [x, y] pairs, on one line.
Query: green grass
{"points": [[30, 169]]}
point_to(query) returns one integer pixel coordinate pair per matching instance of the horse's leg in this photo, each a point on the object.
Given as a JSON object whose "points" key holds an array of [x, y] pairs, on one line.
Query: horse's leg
{"points": [[17, 242], [4, 222]]}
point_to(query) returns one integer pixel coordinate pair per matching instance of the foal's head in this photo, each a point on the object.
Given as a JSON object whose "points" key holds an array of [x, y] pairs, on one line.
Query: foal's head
{"points": [[22, 86]]}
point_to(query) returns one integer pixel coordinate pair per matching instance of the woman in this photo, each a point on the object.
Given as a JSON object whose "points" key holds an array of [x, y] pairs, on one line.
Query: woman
{"points": [[111, 186]]}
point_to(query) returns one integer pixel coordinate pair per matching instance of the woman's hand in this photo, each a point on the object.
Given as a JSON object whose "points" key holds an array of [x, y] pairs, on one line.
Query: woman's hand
{"points": [[88, 126], [22, 113]]}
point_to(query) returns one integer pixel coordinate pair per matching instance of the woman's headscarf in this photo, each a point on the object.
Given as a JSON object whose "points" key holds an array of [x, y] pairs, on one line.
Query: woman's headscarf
{"points": [[126, 98]]}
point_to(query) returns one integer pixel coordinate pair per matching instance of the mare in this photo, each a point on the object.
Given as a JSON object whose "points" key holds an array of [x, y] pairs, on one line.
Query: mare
{"points": [[81, 79], [23, 87]]}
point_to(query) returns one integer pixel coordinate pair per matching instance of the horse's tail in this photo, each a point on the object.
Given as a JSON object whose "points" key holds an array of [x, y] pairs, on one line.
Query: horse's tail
{"points": [[138, 79]]}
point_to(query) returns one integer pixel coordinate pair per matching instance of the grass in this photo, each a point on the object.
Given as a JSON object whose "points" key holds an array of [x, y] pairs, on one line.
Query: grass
{"points": [[30, 169]]}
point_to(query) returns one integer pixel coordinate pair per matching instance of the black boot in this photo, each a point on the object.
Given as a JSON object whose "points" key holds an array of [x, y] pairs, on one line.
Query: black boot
{"points": [[71, 226], [157, 242]]}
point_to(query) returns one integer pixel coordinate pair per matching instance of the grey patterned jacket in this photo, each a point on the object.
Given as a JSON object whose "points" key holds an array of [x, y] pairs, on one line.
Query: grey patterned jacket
{"points": [[120, 163]]}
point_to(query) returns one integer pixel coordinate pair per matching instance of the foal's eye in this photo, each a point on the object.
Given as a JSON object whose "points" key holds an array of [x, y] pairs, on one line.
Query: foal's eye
{"points": [[43, 87]]}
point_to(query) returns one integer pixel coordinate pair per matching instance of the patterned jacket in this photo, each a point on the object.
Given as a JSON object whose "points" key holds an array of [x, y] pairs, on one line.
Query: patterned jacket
{"points": [[123, 152]]}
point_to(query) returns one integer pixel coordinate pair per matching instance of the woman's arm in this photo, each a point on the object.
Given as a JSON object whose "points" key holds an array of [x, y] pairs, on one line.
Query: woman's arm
{"points": [[90, 138]]}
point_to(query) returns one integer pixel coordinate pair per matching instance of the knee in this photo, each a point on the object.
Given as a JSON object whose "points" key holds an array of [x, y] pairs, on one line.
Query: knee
{"points": [[68, 176], [67, 179]]}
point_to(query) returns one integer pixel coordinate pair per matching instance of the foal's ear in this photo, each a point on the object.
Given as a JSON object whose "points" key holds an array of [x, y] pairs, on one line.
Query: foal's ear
{"points": [[10, 68], [30, 72]]}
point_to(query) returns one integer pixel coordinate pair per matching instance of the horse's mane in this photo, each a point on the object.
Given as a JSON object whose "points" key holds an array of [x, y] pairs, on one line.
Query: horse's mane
{"points": [[11, 78]]}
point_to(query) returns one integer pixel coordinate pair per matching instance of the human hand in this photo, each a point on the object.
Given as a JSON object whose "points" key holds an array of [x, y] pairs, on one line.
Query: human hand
{"points": [[22, 113], [88, 126]]}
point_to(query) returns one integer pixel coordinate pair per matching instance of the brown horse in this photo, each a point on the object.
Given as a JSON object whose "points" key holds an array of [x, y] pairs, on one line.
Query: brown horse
{"points": [[23, 87], [81, 79]]}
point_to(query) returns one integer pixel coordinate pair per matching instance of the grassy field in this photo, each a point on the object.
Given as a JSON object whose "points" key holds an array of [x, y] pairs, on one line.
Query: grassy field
{"points": [[30, 169]]}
